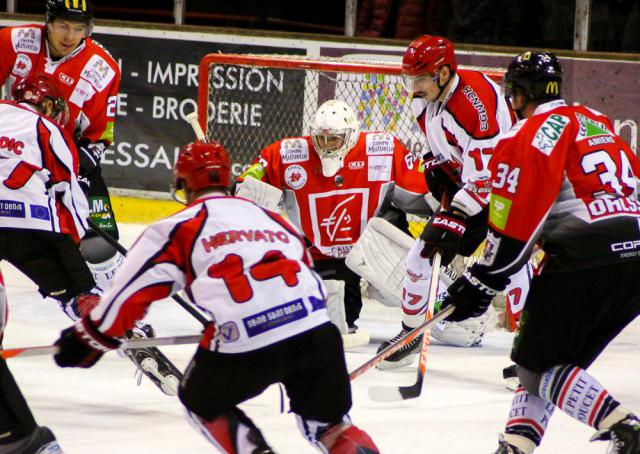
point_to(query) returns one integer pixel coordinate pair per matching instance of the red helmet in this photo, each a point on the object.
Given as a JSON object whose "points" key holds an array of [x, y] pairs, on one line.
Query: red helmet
{"points": [[202, 165], [428, 54], [36, 88]]}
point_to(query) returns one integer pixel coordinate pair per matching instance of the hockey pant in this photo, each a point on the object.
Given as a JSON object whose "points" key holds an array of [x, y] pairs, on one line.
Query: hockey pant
{"points": [[415, 293], [311, 367]]}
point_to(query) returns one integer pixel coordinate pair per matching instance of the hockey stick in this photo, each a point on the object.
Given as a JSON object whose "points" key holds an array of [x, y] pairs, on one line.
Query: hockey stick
{"points": [[390, 394], [411, 335], [126, 345], [121, 249], [192, 119]]}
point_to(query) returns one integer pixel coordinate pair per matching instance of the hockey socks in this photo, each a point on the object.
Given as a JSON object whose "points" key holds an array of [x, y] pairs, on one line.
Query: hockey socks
{"points": [[528, 420], [231, 433], [579, 395]]}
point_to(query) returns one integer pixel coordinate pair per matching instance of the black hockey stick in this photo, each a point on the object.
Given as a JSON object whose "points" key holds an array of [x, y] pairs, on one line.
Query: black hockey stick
{"points": [[121, 249]]}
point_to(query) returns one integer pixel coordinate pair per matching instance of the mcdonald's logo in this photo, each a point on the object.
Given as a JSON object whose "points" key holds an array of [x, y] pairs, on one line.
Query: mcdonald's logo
{"points": [[526, 56], [76, 4], [552, 88]]}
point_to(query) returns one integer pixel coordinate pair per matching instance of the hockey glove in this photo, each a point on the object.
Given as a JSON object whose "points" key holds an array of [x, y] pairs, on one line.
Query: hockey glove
{"points": [[90, 154], [443, 177], [442, 233], [82, 345], [472, 293]]}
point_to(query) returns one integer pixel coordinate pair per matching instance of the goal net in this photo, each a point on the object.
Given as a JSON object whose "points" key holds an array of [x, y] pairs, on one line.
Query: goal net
{"points": [[248, 101]]}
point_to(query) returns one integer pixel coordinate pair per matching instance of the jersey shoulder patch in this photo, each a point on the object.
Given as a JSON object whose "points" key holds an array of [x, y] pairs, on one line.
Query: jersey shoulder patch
{"points": [[294, 149], [98, 72], [27, 39], [549, 132]]}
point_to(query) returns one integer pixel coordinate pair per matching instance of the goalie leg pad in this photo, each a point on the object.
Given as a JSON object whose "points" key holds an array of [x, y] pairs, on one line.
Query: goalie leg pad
{"points": [[231, 433], [467, 333], [378, 257], [335, 304]]}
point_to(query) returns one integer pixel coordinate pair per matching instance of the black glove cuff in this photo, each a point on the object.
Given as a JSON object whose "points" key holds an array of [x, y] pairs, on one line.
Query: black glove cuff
{"points": [[87, 331]]}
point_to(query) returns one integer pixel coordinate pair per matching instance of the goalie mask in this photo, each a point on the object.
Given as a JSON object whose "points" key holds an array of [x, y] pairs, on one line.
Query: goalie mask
{"points": [[43, 91], [334, 131], [200, 166]]}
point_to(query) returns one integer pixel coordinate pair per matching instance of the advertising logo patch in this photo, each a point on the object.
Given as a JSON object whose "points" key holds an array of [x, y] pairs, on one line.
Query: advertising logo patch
{"points": [[39, 212], [12, 209], [22, 66], [549, 133], [294, 150], [499, 211]]}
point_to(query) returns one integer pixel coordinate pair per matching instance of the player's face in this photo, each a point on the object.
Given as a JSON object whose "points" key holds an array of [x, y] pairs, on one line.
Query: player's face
{"points": [[423, 86], [329, 142], [64, 36]]}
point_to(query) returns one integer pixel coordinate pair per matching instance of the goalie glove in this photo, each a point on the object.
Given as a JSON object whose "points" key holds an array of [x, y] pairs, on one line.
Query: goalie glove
{"points": [[443, 233], [442, 176], [89, 155], [82, 345], [472, 293]]}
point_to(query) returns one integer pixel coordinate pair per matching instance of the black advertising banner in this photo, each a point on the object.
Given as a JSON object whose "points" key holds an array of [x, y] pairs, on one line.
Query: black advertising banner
{"points": [[159, 88]]}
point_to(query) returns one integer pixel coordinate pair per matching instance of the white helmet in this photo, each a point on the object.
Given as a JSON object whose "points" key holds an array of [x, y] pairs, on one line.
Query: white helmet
{"points": [[334, 131]]}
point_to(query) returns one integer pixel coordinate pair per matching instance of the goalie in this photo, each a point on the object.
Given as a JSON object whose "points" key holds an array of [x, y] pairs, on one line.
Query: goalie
{"points": [[334, 181]]}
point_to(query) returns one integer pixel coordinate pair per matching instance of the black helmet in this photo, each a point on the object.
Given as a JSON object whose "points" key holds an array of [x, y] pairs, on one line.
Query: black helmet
{"points": [[538, 74], [72, 10]]}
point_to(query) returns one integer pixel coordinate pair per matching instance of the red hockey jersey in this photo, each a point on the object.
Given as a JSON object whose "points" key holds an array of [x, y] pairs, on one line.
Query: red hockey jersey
{"points": [[333, 211], [565, 177], [464, 129], [89, 75]]}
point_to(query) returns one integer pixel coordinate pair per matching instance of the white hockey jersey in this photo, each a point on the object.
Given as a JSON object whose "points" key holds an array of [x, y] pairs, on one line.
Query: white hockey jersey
{"points": [[39, 173], [244, 265], [464, 129]]}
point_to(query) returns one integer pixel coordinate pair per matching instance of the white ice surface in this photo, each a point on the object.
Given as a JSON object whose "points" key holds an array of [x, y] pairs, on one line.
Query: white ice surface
{"points": [[463, 406]]}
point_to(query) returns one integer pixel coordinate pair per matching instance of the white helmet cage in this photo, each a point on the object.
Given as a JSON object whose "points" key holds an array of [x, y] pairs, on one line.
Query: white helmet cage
{"points": [[336, 118]]}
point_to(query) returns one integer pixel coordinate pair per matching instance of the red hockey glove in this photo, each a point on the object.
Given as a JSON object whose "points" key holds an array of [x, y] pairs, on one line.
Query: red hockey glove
{"points": [[82, 345], [443, 177], [442, 233], [472, 293]]}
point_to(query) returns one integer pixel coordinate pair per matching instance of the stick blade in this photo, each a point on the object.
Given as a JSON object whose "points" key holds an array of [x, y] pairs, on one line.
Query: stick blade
{"points": [[395, 393]]}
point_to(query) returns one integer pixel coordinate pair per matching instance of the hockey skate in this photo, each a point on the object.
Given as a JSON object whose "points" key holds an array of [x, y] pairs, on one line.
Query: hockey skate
{"points": [[40, 441], [403, 356], [624, 436], [152, 362]]}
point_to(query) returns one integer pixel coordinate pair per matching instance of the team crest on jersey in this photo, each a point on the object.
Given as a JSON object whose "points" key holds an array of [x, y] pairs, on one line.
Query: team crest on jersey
{"points": [[337, 219], [295, 176], [22, 66], [549, 133], [379, 143], [26, 40], [294, 150]]}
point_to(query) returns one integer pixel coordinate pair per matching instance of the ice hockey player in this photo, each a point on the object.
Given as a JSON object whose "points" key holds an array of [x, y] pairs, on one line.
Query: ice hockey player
{"points": [[43, 209], [334, 181], [563, 176], [251, 271], [90, 79], [19, 432], [462, 114]]}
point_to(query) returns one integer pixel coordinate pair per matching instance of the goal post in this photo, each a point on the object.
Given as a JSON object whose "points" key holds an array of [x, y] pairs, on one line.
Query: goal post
{"points": [[247, 101]]}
